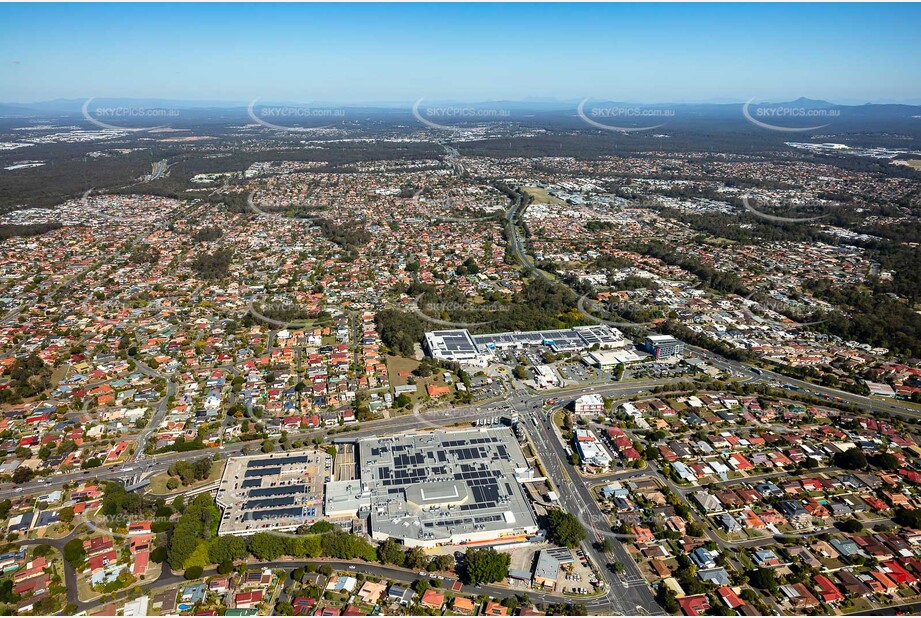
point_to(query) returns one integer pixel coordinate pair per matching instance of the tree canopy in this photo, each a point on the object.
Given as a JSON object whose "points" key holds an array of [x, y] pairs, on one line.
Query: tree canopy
{"points": [[484, 566], [564, 529]]}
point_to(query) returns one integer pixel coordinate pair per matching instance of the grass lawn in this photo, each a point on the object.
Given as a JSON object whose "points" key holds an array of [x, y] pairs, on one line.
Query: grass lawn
{"points": [[744, 560], [907, 593], [84, 591], [158, 481], [557, 419], [57, 567], [677, 406], [399, 364], [861, 606], [831, 563], [540, 196], [56, 531]]}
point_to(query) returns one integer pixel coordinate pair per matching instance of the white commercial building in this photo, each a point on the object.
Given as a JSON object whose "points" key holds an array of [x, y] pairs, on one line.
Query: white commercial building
{"points": [[589, 404], [591, 451], [443, 488], [452, 345], [663, 346], [608, 359], [546, 377], [459, 345]]}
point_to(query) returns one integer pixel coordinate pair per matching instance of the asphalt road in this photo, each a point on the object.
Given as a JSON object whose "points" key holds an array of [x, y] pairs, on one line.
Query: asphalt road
{"points": [[868, 403], [159, 413], [627, 592]]}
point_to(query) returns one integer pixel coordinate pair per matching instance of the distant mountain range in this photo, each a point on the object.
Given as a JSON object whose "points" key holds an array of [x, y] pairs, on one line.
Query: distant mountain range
{"points": [[70, 106]]}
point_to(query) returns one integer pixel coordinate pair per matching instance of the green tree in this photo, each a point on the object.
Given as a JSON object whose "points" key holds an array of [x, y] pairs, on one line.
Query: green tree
{"points": [[441, 562], [159, 555], [399, 330], [402, 401], [851, 459], [850, 525], [42, 550], [484, 566], [764, 579], [421, 585], [193, 572], [23, 474], [564, 529], [198, 524], [416, 558], [886, 461], [910, 518], [391, 552], [667, 598], [266, 546], [74, 553], [227, 549], [339, 544]]}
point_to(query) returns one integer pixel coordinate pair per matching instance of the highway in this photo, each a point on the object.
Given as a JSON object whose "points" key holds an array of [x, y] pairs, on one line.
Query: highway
{"points": [[872, 404], [732, 367], [160, 462], [627, 593]]}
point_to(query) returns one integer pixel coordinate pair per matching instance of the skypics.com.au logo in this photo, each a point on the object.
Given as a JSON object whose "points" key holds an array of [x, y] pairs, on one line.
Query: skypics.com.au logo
{"points": [[776, 218], [123, 118], [614, 117], [766, 305], [784, 117], [589, 308], [425, 310], [435, 117], [293, 118], [284, 314], [441, 207]]}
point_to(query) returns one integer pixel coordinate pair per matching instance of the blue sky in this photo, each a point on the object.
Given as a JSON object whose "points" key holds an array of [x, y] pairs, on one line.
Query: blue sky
{"points": [[845, 53]]}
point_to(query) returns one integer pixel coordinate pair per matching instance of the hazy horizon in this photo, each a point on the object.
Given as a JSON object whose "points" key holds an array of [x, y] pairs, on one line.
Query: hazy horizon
{"points": [[406, 103]]}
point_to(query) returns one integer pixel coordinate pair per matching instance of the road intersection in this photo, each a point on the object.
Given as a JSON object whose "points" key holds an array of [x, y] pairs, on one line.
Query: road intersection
{"points": [[626, 593]]}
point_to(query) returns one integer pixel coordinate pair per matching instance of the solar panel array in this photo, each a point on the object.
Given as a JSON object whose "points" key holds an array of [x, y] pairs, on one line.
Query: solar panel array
{"points": [[274, 461], [272, 488], [561, 339], [480, 461], [456, 341]]}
